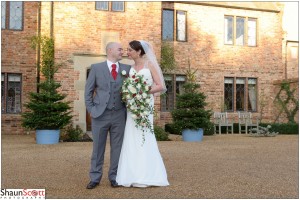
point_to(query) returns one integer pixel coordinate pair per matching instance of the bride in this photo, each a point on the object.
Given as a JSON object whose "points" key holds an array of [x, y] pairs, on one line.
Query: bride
{"points": [[140, 163]]}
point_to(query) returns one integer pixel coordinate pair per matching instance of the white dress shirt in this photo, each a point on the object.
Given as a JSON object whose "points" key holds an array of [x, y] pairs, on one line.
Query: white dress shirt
{"points": [[109, 63]]}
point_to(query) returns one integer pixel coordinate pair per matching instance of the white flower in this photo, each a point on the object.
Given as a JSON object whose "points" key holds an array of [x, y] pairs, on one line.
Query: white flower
{"points": [[144, 95], [123, 72], [147, 100], [138, 86], [146, 113], [138, 97], [147, 87], [132, 89]]}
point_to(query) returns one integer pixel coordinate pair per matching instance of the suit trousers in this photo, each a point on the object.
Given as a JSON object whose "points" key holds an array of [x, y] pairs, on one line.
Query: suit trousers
{"points": [[112, 121]]}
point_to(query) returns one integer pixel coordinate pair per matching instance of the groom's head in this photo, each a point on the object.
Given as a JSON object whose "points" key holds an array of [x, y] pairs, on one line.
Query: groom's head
{"points": [[114, 51]]}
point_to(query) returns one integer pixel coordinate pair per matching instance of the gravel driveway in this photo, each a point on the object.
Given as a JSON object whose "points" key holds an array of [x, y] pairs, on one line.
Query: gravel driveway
{"points": [[221, 166]]}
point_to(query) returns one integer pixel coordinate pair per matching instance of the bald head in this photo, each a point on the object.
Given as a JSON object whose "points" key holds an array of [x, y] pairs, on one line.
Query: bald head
{"points": [[114, 51]]}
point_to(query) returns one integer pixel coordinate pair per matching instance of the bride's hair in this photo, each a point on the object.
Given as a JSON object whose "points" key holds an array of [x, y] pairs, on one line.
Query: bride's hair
{"points": [[136, 45]]}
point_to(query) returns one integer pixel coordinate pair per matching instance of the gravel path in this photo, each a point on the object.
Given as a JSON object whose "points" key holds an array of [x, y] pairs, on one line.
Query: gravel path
{"points": [[221, 166]]}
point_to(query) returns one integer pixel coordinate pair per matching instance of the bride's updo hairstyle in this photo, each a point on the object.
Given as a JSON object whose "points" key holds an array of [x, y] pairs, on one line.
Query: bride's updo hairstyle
{"points": [[136, 45]]}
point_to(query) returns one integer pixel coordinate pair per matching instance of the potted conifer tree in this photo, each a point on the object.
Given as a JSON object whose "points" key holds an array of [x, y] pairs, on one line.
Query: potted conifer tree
{"points": [[46, 113], [190, 116]]}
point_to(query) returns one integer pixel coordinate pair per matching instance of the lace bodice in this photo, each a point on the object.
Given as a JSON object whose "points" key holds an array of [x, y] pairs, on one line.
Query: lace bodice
{"points": [[144, 72]]}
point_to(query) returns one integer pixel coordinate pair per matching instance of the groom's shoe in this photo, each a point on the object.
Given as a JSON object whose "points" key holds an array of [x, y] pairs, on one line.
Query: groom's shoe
{"points": [[114, 183], [91, 185]]}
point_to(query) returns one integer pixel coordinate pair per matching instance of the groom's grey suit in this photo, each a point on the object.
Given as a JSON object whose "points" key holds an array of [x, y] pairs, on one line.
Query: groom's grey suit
{"points": [[104, 103]]}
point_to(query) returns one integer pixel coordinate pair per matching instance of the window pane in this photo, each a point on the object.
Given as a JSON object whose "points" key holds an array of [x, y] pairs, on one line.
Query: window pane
{"points": [[181, 26], [16, 15], [13, 99], [251, 32], [228, 94], [3, 14], [240, 94], [167, 100], [117, 5], [228, 30], [2, 93], [180, 80], [252, 94], [168, 24], [101, 5], [240, 29]]}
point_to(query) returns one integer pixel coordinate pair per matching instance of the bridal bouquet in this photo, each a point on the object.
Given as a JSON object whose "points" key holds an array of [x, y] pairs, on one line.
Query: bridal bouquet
{"points": [[135, 93]]}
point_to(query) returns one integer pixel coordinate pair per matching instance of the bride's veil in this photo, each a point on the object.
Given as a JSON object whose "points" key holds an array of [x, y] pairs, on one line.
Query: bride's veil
{"points": [[150, 57]]}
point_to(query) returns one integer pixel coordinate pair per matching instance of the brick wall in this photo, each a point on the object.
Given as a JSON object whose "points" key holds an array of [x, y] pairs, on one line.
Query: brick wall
{"points": [[79, 29], [18, 57]]}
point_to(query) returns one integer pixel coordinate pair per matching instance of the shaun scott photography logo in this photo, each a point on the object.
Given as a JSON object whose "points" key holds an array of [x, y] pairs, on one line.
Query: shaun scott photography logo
{"points": [[22, 194]]}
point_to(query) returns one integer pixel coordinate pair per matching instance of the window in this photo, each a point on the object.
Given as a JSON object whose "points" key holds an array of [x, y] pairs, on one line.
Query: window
{"points": [[101, 5], [117, 5], [113, 6], [228, 30], [11, 93], [240, 31], [3, 14], [181, 26], [252, 94], [240, 94], [251, 32], [168, 25], [228, 94], [12, 15], [174, 85]]}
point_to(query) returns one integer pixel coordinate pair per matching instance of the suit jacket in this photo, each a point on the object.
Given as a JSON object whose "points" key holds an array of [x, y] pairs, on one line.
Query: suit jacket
{"points": [[98, 82]]}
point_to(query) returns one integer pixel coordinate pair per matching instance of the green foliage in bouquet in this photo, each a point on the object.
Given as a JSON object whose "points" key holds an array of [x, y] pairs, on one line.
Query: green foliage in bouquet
{"points": [[190, 112], [47, 110]]}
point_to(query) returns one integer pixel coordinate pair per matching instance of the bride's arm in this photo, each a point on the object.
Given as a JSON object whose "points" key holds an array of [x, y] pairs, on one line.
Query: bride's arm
{"points": [[158, 86]]}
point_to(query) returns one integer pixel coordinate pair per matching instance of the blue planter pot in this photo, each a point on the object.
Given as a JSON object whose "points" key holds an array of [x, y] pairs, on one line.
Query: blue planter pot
{"points": [[192, 135], [47, 136]]}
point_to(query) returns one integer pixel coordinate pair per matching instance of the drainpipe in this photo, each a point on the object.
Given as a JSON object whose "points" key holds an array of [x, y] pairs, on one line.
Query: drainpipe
{"points": [[38, 62]]}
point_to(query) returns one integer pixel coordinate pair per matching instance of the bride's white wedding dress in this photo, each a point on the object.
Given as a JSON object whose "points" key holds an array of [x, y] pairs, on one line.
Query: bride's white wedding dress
{"points": [[140, 164]]}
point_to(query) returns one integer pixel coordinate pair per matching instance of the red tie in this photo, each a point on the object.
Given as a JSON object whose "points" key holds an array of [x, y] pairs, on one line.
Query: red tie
{"points": [[114, 71]]}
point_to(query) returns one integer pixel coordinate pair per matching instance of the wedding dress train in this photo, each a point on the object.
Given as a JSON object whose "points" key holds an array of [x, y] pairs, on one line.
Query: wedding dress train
{"points": [[140, 163]]}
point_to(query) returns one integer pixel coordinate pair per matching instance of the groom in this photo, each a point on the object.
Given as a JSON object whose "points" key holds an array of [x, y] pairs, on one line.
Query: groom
{"points": [[104, 104]]}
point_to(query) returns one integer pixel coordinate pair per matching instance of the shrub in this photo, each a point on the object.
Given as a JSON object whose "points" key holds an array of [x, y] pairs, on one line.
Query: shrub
{"points": [[160, 134], [71, 134], [172, 129], [287, 128], [190, 112]]}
